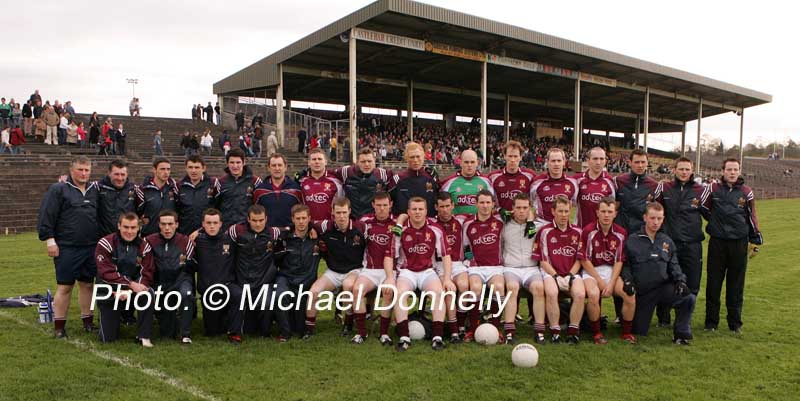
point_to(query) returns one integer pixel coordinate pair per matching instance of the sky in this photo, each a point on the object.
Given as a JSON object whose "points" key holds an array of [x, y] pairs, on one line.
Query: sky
{"points": [[83, 51]]}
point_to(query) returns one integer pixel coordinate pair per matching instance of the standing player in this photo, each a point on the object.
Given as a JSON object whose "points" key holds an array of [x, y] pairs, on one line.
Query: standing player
{"points": [[546, 187], [158, 192], [68, 225], [253, 245], [416, 180], [732, 223], [195, 195], [234, 190], [125, 259], [593, 185], [171, 252], [278, 193], [363, 181], [465, 185], [214, 264], [511, 180], [652, 265], [520, 270], [378, 266], [319, 187], [683, 223], [297, 271], [556, 249], [482, 236], [634, 190], [117, 196], [602, 255], [417, 248], [342, 244]]}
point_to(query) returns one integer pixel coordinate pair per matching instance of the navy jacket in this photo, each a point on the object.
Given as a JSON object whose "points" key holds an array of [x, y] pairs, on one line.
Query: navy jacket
{"points": [[213, 260], [254, 254], [69, 215], [651, 263], [299, 259], [360, 188], [170, 258], [731, 212], [113, 202], [192, 201], [633, 193], [235, 195], [278, 200], [683, 220], [409, 183], [150, 200]]}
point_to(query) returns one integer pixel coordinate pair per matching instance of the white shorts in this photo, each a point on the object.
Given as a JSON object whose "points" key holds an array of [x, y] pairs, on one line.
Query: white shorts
{"points": [[604, 271], [338, 278], [486, 272], [524, 276], [376, 276], [417, 279], [457, 268]]}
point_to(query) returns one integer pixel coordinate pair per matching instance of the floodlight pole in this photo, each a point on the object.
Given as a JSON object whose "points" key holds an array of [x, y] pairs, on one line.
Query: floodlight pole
{"points": [[507, 118], [741, 140], [279, 106], [353, 108], [699, 124], [646, 116], [485, 156], [636, 131], [577, 128], [410, 109], [133, 82]]}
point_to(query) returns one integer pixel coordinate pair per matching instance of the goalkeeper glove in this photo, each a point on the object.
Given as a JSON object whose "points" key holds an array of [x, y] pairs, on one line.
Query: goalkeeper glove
{"points": [[397, 230], [628, 288], [681, 289], [530, 229], [752, 251], [505, 215]]}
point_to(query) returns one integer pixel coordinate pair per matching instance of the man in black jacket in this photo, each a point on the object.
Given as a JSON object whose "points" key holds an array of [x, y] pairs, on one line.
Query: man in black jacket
{"points": [[239, 120], [683, 223], [362, 181], [171, 252], [117, 196], [634, 190], [730, 208], [254, 246], [158, 192], [214, 264], [195, 194], [234, 190], [297, 271], [120, 137], [68, 225], [651, 271]]}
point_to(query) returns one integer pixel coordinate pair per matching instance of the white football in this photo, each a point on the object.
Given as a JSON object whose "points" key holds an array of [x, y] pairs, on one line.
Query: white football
{"points": [[416, 330], [525, 356], [487, 334]]}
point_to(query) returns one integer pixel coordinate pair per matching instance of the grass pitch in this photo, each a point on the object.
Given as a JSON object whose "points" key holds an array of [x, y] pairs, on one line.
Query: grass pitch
{"points": [[761, 364]]}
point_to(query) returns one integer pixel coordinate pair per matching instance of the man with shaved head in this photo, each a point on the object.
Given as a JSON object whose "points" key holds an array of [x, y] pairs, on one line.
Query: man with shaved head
{"points": [[465, 184]]}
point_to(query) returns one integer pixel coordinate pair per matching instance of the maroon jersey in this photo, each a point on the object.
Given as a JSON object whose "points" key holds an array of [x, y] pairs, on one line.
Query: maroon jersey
{"points": [[544, 191], [602, 249], [453, 235], [507, 185], [559, 248], [380, 240], [589, 194], [485, 240], [418, 248], [318, 194]]}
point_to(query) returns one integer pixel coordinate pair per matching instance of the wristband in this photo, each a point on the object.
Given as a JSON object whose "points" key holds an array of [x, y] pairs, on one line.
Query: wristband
{"points": [[51, 241]]}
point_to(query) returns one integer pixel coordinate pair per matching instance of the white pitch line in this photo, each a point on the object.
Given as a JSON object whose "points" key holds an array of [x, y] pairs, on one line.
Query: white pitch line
{"points": [[125, 362]]}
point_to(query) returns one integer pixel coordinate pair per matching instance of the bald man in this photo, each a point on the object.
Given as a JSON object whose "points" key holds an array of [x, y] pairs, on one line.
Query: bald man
{"points": [[465, 184]]}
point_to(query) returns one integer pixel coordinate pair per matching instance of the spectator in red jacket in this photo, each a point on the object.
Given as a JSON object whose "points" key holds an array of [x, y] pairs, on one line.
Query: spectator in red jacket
{"points": [[17, 139]]}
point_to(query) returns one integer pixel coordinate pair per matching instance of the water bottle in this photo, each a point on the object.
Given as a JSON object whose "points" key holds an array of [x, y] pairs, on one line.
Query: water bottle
{"points": [[44, 312]]}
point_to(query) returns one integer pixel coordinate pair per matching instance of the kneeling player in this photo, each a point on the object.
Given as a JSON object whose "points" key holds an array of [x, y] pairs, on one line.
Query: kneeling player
{"points": [[520, 269], [127, 260], [556, 249], [601, 255], [483, 236], [417, 247], [452, 227], [378, 267], [342, 245]]}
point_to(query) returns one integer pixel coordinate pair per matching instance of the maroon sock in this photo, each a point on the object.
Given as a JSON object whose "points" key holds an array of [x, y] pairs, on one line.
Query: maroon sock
{"points": [[402, 328], [496, 322], [627, 326], [385, 322], [510, 328], [538, 328], [461, 318], [452, 325], [311, 324], [474, 317], [595, 326], [438, 329], [573, 330], [361, 326], [555, 330], [60, 323], [87, 319]]}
